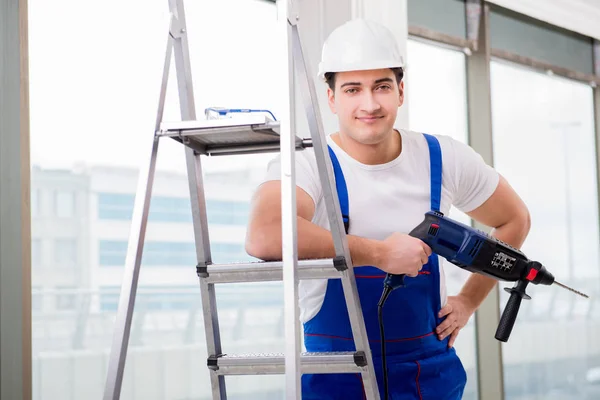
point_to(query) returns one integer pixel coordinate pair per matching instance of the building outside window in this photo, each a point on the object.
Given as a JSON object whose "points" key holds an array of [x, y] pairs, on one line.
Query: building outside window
{"points": [[65, 252], [64, 204]]}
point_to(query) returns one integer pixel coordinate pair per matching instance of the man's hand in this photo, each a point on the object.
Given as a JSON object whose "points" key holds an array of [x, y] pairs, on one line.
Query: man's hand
{"points": [[403, 254], [458, 310]]}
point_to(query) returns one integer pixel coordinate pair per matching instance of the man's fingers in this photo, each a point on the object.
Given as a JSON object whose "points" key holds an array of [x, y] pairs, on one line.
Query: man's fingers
{"points": [[426, 248], [447, 309], [442, 335], [448, 331], [443, 326]]}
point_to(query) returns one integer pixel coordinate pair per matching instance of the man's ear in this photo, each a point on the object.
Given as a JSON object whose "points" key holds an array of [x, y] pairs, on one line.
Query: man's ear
{"points": [[401, 93], [331, 100]]}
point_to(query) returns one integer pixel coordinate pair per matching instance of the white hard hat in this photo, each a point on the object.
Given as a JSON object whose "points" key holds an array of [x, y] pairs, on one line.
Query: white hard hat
{"points": [[359, 44]]}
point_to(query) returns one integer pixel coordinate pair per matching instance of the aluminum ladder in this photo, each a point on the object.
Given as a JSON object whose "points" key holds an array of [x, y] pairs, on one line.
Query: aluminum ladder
{"points": [[230, 137]]}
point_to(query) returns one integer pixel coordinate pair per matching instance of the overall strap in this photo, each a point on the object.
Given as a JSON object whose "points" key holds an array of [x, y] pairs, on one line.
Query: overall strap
{"points": [[342, 190], [435, 161]]}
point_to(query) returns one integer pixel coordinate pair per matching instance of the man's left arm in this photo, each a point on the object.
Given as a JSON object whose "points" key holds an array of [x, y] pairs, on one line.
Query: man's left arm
{"points": [[509, 217]]}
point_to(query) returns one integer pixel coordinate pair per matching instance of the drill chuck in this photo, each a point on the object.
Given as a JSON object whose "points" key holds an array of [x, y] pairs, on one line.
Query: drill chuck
{"points": [[538, 274]]}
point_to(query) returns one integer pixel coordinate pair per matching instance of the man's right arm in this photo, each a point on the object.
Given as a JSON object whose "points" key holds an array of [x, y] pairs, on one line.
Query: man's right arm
{"points": [[399, 253]]}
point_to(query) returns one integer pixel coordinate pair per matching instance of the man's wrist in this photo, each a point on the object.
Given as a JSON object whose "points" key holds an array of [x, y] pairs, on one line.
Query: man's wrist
{"points": [[469, 301], [365, 251], [377, 252]]}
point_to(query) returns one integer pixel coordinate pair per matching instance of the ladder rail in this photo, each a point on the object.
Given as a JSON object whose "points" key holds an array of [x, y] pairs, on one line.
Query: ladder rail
{"points": [[289, 227], [197, 197], [340, 240]]}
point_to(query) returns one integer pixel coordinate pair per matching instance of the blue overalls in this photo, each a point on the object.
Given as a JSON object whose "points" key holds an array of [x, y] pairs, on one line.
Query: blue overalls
{"points": [[420, 366]]}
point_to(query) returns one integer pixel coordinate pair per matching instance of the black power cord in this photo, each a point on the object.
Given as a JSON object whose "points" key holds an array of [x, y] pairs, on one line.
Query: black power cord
{"points": [[386, 292]]}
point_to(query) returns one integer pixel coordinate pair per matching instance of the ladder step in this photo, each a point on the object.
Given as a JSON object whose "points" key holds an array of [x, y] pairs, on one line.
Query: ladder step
{"points": [[266, 271], [252, 134], [274, 363]]}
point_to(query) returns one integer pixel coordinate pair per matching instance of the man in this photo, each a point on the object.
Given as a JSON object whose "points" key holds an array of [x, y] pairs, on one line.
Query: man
{"points": [[391, 178]]}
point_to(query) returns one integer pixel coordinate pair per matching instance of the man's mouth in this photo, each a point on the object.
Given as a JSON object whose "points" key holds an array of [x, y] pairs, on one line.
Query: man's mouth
{"points": [[370, 119]]}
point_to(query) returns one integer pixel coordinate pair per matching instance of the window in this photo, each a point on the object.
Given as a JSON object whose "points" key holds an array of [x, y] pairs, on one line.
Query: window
{"points": [[172, 209], [227, 212], [176, 254], [153, 298], [36, 253], [110, 133], [36, 298], [448, 17], [109, 298], [528, 37], [65, 252], [115, 206], [229, 253], [544, 146], [429, 89], [112, 253], [66, 298], [165, 253], [35, 202], [65, 204]]}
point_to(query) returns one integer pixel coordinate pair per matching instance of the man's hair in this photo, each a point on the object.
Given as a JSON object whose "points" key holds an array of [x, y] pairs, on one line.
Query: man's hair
{"points": [[330, 77]]}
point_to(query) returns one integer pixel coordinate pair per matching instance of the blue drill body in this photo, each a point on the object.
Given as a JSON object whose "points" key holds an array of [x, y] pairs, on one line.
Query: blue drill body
{"points": [[470, 249]]}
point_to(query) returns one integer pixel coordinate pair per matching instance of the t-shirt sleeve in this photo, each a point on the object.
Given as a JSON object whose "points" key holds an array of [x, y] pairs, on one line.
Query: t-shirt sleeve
{"points": [[474, 180], [307, 176]]}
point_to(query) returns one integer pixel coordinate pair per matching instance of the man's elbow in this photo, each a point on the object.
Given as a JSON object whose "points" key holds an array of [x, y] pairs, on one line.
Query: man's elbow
{"points": [[525, 222], [263, 243], [521, 225]]}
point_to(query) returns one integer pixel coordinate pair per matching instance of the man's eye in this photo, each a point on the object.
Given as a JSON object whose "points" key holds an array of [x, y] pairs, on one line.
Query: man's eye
{"points": [[351, 90], [384, 87]]}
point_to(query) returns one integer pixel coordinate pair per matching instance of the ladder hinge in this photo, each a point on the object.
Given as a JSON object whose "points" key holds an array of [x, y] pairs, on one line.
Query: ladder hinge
{"points": [[292, 10], [339, 262], [176, 30], [213, 362], [202, 270], [360, 359]]}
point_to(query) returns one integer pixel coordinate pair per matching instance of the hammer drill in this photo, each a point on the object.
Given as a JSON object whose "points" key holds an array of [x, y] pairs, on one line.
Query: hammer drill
{"points": [[476, 251]]}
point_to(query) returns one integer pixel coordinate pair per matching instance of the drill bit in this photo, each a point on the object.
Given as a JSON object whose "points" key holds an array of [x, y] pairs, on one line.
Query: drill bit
{"points": [[572, 290]]}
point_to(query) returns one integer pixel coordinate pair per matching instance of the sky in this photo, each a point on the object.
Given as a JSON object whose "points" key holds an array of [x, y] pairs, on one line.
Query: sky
{"points": [[95, 78]]}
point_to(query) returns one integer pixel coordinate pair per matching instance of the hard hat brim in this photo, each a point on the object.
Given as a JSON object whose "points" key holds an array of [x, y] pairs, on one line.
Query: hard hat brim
{"points": [[360, 66]]}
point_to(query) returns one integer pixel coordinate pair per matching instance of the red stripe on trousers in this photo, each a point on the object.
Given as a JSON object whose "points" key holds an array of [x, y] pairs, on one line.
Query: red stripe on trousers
{"points": [[417, 380], [371, 340]]}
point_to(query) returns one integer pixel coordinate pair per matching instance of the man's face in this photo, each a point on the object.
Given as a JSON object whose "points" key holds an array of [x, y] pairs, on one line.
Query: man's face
{"points": [[366, 103]]}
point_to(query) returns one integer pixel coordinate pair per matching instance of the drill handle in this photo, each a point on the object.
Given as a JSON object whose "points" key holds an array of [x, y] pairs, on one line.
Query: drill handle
{"points": [[509, 315], [394, 281]]}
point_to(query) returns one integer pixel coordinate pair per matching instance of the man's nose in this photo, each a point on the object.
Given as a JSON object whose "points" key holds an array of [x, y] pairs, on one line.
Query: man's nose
{"points": [[369, 102]]}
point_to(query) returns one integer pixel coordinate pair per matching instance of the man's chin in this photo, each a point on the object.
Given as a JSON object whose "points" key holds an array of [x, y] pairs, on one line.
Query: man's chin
{"points": [[370, 138]]}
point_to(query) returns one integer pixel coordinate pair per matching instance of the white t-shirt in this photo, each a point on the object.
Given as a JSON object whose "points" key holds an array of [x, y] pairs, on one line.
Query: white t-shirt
{"points": [[391, 197]]}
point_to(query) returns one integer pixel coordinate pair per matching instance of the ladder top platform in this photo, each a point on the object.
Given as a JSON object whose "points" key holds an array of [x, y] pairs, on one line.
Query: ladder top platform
{"points": [[251, 134]]}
